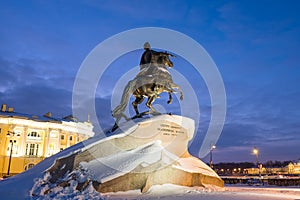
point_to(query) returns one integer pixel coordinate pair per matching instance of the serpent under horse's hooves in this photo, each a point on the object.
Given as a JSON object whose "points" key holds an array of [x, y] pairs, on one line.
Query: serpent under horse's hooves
{"points": [[150, 82]]}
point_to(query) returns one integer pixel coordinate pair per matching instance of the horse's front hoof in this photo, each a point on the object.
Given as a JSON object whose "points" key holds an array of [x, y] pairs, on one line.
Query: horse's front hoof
{"points": [[169, 102]]}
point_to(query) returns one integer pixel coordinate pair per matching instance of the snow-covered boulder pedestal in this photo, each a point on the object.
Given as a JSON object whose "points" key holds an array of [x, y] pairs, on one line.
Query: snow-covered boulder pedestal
{"points": [[150, 152]]}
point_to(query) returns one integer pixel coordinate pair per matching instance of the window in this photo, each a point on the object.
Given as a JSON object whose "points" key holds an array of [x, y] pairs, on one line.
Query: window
{"points": [[62, 137], [52, 149], [34, 134], [28, 166], [53, 134], [71, 137], [36, 149], [14, 149], [32, 149], [0, 130]]}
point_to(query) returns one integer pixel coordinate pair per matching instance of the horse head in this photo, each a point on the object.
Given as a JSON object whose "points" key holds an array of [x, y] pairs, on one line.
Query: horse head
{"points": [[163, 59]]}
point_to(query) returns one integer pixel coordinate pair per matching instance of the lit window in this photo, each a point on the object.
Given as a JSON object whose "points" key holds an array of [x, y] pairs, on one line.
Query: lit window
{"points": [[53, 134], [15, 147], [36, 149], [32, 149], [52, 147]]}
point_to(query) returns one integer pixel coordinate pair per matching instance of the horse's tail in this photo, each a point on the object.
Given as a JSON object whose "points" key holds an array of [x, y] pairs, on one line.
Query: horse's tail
{"points": [[118, 111]]}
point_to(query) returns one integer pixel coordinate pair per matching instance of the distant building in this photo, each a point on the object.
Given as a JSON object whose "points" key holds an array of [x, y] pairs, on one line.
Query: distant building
{"points": [[34, 138], [291, 168], [223, 169]]}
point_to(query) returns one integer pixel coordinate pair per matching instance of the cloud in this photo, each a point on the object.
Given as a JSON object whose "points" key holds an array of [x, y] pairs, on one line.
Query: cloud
{"points": [[32, 86], [39, 99]]}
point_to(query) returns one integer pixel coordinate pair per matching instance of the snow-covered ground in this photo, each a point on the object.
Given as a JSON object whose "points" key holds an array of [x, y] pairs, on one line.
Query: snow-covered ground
{"points": [[170, 192]]}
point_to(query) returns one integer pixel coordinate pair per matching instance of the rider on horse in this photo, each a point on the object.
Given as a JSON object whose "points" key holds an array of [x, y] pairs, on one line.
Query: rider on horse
{"points": [[152, 80], [147, 56]]}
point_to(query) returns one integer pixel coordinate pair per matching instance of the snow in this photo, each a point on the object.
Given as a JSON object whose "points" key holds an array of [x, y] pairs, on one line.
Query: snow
{"points": [[113, 166], [195, 165], [70, 189], [171, 192], [118, 135]]}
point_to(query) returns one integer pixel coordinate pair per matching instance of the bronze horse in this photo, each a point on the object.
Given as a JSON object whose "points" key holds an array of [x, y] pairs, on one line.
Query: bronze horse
{"points": [[153, 80], [150, 82]]}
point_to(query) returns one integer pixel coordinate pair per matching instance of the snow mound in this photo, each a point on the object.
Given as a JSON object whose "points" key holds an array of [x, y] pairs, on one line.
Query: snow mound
{"points": [[194, 165], [104, 169], [75, 185]]}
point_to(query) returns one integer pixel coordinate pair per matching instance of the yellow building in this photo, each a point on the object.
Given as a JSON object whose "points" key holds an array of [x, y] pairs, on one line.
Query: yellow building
{"points": [[291, 168], [25, 140]]}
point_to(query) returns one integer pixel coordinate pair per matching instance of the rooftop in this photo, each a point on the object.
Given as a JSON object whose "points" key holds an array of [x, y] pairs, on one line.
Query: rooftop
{"points": [[10, 113]]}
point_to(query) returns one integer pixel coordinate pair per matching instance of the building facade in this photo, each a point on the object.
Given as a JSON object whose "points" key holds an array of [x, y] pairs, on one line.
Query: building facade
{"points": [[291, 169], [25, 140]]}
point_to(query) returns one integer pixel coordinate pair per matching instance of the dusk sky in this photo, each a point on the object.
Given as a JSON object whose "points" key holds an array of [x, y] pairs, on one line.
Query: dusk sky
{"points": [[255, 45]]}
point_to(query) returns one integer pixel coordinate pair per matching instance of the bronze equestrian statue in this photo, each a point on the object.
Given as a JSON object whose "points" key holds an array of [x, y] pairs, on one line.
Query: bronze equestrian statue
{"points": [[153, 79]]}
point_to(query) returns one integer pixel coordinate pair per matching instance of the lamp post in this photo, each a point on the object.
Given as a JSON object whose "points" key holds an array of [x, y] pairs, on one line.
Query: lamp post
{"points": [[255, 152], [11, 148], [212, 147]]}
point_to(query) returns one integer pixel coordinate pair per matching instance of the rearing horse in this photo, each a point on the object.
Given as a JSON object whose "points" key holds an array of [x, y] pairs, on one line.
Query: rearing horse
{"points": [[150, 82], [153, 80]]}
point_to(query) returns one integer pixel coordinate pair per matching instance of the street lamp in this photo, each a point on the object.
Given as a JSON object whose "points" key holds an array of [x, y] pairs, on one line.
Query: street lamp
{"points": [[212, 147], [255, 152], [11, 147]]}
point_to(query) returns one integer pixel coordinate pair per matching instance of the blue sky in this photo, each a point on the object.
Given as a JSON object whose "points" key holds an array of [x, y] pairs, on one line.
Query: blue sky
{"points": [[255, 45]]}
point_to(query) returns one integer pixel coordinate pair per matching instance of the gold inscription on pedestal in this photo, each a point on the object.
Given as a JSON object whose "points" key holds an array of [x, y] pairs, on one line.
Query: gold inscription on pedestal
{"points": [[167, 129]]}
